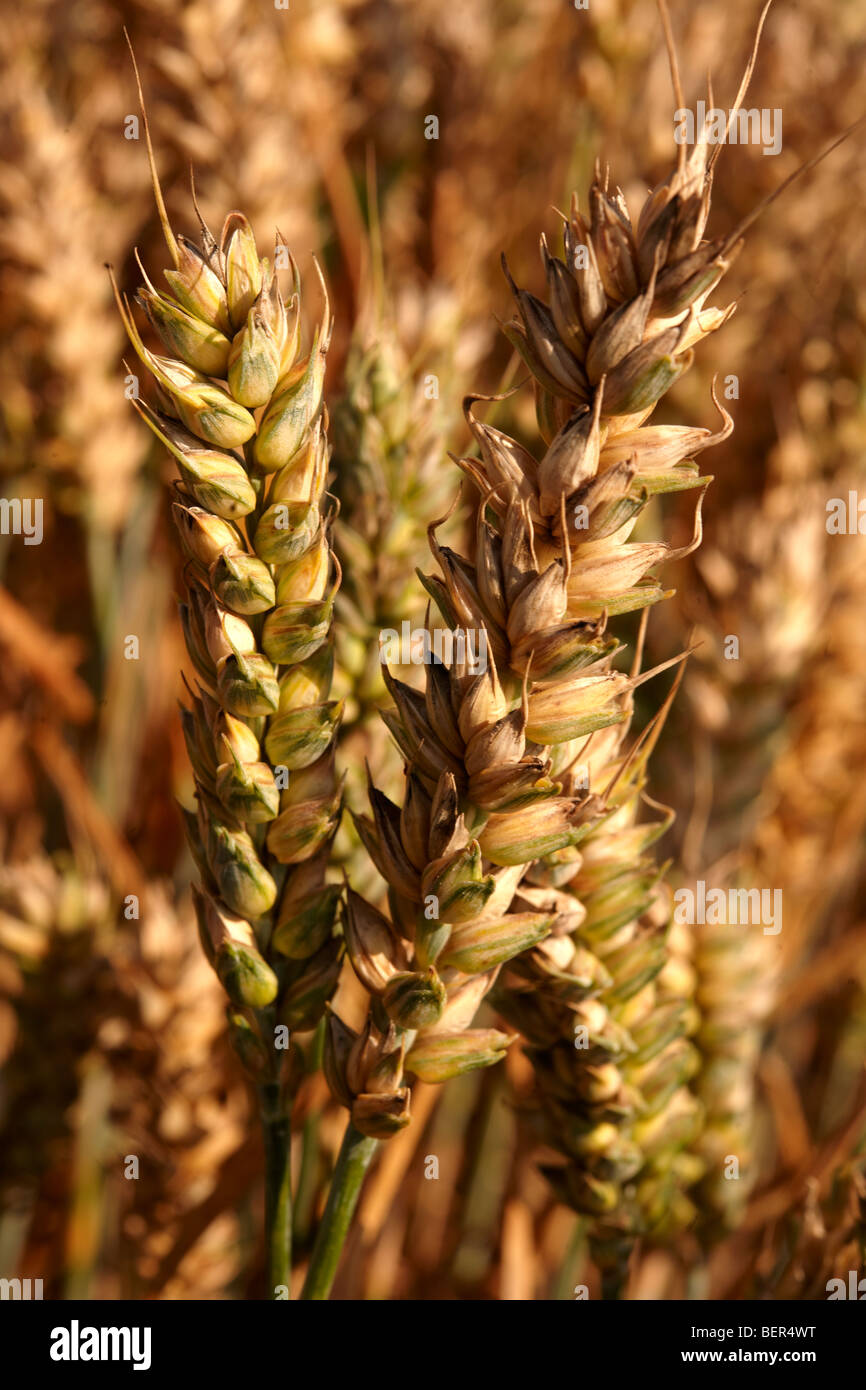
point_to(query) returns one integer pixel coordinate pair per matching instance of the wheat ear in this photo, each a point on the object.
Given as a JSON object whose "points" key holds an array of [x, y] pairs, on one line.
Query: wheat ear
{"points": [[608, 1029], [491, 784], [240, 407], [610, 1011]]}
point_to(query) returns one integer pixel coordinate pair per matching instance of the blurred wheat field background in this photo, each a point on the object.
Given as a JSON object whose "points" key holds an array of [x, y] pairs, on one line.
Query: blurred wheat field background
{"points": [[312, 120]]}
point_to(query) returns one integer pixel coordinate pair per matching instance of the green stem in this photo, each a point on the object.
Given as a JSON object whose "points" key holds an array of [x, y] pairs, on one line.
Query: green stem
{"points": [[305, 1193], [306, 1190], [611, 1253], [277, 1130], [697, 1282], [564, 1282], [352, 1164]]}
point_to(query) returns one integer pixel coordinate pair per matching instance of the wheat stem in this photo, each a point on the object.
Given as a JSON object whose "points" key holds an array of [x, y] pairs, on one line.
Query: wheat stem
{"points": [[354, 1159], [277, 1133], [303, 1211]]}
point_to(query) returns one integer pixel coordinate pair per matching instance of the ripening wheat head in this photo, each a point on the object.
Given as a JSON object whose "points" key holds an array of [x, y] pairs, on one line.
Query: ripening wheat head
{"points": [[239, 405], [610, 1012], [494, 779], [609, 1032]]}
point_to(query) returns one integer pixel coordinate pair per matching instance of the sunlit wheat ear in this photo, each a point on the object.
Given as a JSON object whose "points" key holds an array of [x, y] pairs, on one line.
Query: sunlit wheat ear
{"points": [[237, 400], [253, 529]]}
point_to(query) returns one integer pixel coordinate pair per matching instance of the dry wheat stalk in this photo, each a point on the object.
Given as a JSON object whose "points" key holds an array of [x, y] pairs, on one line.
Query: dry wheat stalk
{"points": [[240, 408]]}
